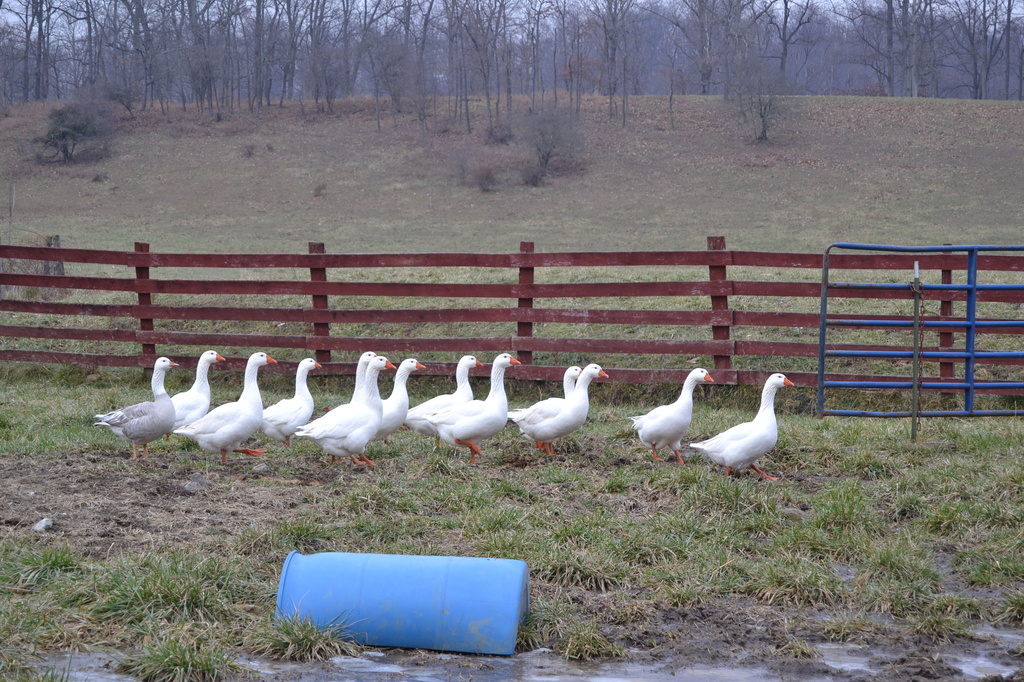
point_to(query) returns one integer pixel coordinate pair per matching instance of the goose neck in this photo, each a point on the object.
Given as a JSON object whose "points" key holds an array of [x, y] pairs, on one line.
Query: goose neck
{"points": [[361, 392], [157, 381], [768, 399], [497, 380], [202, 371], [249, 386], [369, 387], [688, 387], [300, 382]]}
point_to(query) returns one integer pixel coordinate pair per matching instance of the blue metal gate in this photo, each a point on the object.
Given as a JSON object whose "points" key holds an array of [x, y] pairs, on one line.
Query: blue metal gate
{"points": [[969, 323]]}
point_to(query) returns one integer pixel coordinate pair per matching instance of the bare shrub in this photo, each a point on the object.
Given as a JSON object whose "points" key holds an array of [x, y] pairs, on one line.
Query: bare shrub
{"points": [[760, 94], [444, 125], [532, 174], [500, 133], [551, 134], [485, 177], [320, 190], [483, 166], [248, 151]]}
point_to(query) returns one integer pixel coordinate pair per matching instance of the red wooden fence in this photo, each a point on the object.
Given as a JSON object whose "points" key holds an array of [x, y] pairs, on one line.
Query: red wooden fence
{"points": [[716, 327]]}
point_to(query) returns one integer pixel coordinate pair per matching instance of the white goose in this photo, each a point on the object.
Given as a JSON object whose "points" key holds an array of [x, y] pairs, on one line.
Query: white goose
{"points": [[467, 423], [192, 404], [665, 425], [543, 427], [396, 407], [226, 426], [548, 407], [416, 419], [143, 423], [345, 430], [281, 419], [742, 445]]}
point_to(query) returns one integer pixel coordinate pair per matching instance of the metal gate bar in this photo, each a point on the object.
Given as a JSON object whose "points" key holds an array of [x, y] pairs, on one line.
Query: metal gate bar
{"points": [[970, 324]]}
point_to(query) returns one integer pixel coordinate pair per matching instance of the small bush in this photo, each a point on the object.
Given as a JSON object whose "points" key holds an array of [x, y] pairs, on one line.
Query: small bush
{"points": [[485, 178], [500, 133], [80, 126], [551, 135], [532, 174], [320, 190]]}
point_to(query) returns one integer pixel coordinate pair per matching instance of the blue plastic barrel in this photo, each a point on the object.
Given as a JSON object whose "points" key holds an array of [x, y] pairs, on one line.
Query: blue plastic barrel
{"points": [[445, 603]]}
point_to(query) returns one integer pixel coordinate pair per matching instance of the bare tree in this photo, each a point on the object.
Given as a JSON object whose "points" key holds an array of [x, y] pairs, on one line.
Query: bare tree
{"points": [[759, 94], [485, 23], [788, 18], [978, 32], [612, 17]]}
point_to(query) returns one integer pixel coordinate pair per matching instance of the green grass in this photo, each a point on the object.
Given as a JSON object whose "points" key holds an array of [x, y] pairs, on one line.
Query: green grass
{"points": [[297, 639], [187, 655]]}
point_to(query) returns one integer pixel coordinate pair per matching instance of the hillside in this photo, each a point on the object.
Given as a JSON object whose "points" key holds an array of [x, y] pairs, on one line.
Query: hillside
{"points": [[840, 169]]}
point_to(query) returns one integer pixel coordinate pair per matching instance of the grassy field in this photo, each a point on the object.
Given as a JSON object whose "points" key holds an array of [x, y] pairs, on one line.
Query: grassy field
{"points": [[867, 538], [840, 169]]}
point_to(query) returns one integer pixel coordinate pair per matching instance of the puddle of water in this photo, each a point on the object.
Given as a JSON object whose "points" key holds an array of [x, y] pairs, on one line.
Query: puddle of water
{"points": [[1010, 638], [978, 665], [982, 666], [848, 657], [81, 667], [856, 658], [544, 665], [536, 666]]}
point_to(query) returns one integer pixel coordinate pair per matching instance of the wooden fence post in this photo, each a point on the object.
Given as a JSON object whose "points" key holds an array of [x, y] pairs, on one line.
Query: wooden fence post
{"points": [[717, 273], [145, 298], [53, 267], [320, 329], [946, 338], [525, 329]]}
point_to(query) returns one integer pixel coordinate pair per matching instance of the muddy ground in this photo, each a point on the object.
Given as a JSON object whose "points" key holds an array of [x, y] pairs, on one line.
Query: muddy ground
{"points": [[102, 504]]}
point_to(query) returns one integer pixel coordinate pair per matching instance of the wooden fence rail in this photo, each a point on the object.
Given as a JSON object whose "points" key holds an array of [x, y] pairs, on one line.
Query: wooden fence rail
{"points": [[517, 294]]}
